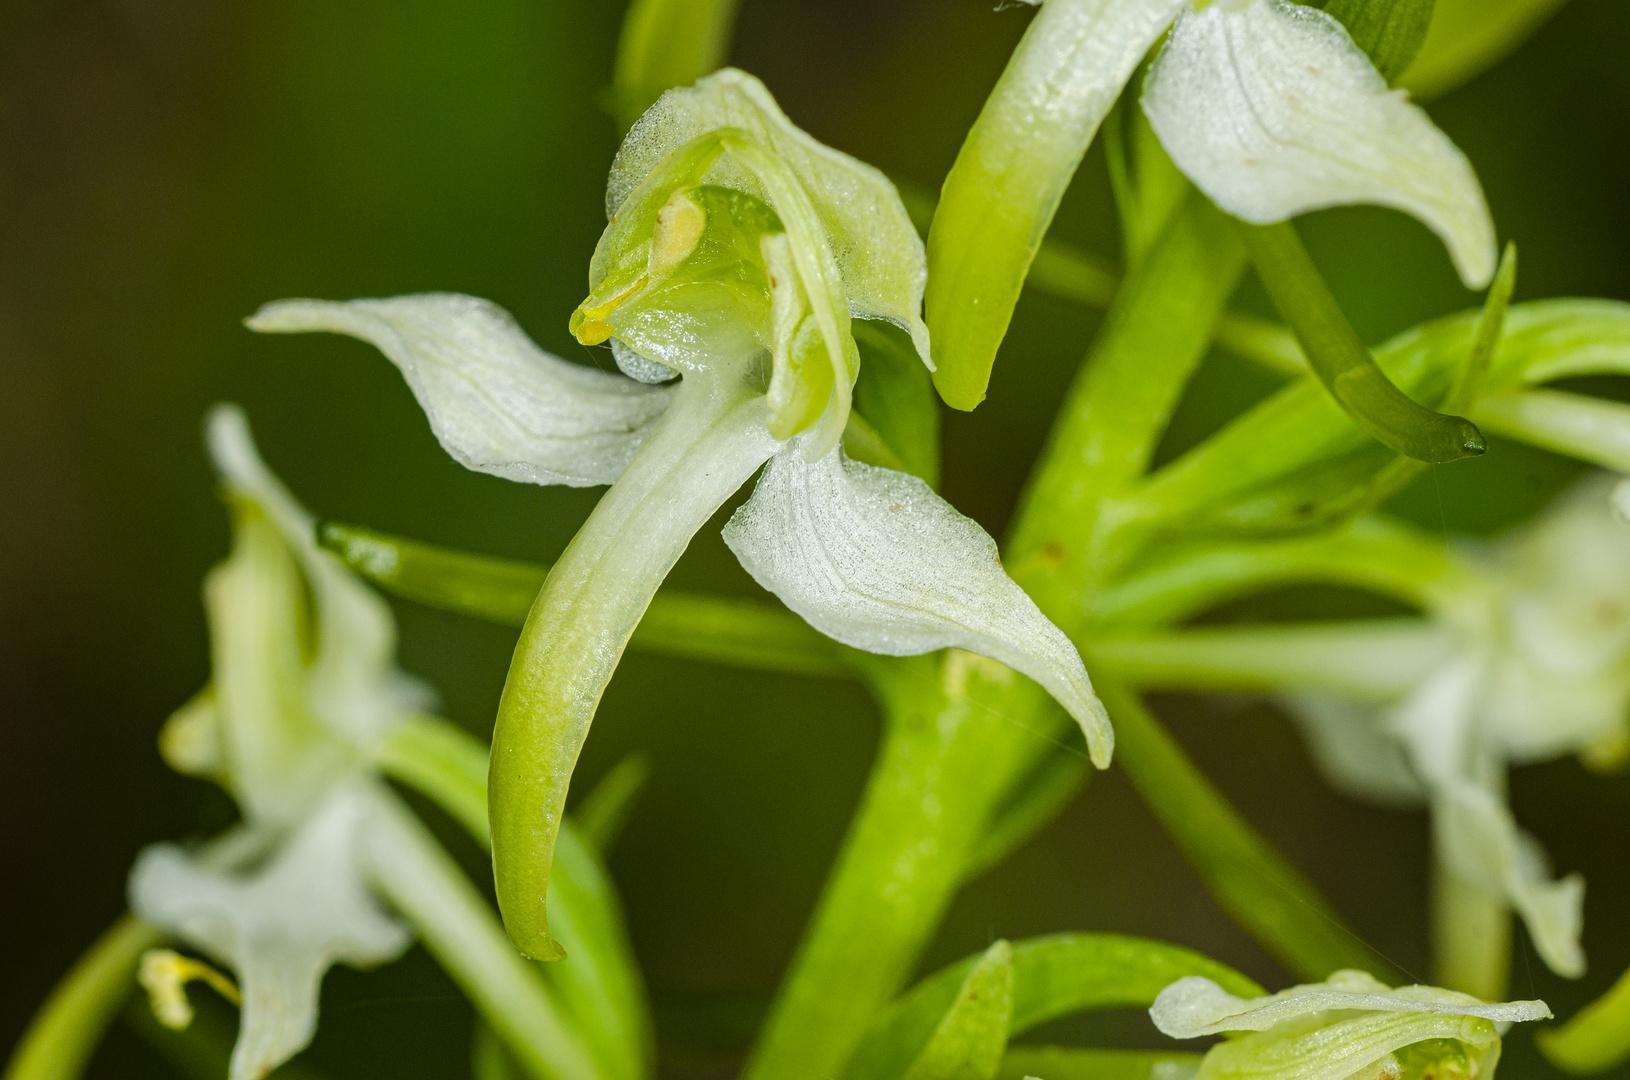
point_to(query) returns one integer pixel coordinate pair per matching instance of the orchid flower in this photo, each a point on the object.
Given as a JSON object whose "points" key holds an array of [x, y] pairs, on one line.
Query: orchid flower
{"points": [[1540, 667], [738, 251], [1267, 106], [1349, 1027], [297, 704]]}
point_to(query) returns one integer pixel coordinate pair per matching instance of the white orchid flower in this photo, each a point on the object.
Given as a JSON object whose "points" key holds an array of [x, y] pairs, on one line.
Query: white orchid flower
{"points": [[1350, 1027], [303, 690], [1541, 668], [738, 251], [1268, 106]]}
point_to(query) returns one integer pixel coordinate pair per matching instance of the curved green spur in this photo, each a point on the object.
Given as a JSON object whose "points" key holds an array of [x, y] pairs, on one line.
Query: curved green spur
{"points": [[1343, 363]]}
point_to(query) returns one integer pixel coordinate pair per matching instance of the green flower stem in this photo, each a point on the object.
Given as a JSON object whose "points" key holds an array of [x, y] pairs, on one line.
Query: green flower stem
{"points": [[742, 633], [700, 452], [1375, 553], [458, 928], [69, 1026], [1595, 1040], [1252, 881], [1471, 937], [667, 43], [953, 743], [599, 983], [1153, 338], [1582, 427], [1375, 660], [444, 763], [951, 757], [1341, 360]]}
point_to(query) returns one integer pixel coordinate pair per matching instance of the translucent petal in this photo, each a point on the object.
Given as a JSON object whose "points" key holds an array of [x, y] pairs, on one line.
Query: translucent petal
{"points": [[279, 928], [877, 250], [351, 682], [1564, 682], [497, 402], [1194, 1005], [1272, 111], [873, 558], [1474, 833], [1354, 751], [1478, 840]]}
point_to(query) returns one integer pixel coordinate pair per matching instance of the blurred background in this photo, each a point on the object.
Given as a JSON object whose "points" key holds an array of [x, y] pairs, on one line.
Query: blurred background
{"points": [[168, 165]]}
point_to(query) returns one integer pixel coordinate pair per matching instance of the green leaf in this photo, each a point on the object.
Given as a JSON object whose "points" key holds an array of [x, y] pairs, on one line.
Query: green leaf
{"points": [[1342, 362], [1247, 876], [667, 43], [740, 632], [896, 394], [1053, 976], [1077, 1063], [969, 1041], [1390, 32], [1597, 1038]]}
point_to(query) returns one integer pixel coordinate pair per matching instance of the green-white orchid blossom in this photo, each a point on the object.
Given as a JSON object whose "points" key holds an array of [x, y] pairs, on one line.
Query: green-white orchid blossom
{"points": [[306, 707], [1268, 106], [297, 703], [1536, 665], [738, 251], [1350, 1027]]}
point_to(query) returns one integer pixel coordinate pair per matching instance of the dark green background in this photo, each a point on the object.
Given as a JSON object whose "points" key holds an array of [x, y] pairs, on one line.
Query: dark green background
{"points": [[167, 165]]}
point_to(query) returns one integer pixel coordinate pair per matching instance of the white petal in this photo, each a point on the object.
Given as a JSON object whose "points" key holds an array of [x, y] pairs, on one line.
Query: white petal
{"points": [[497, 402], [1272, 111], [1478, 841], [279, 928], [876, 247], [1354, 751], [351, 683], [1564, 682], [1194, 1006], [873, 558]]}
